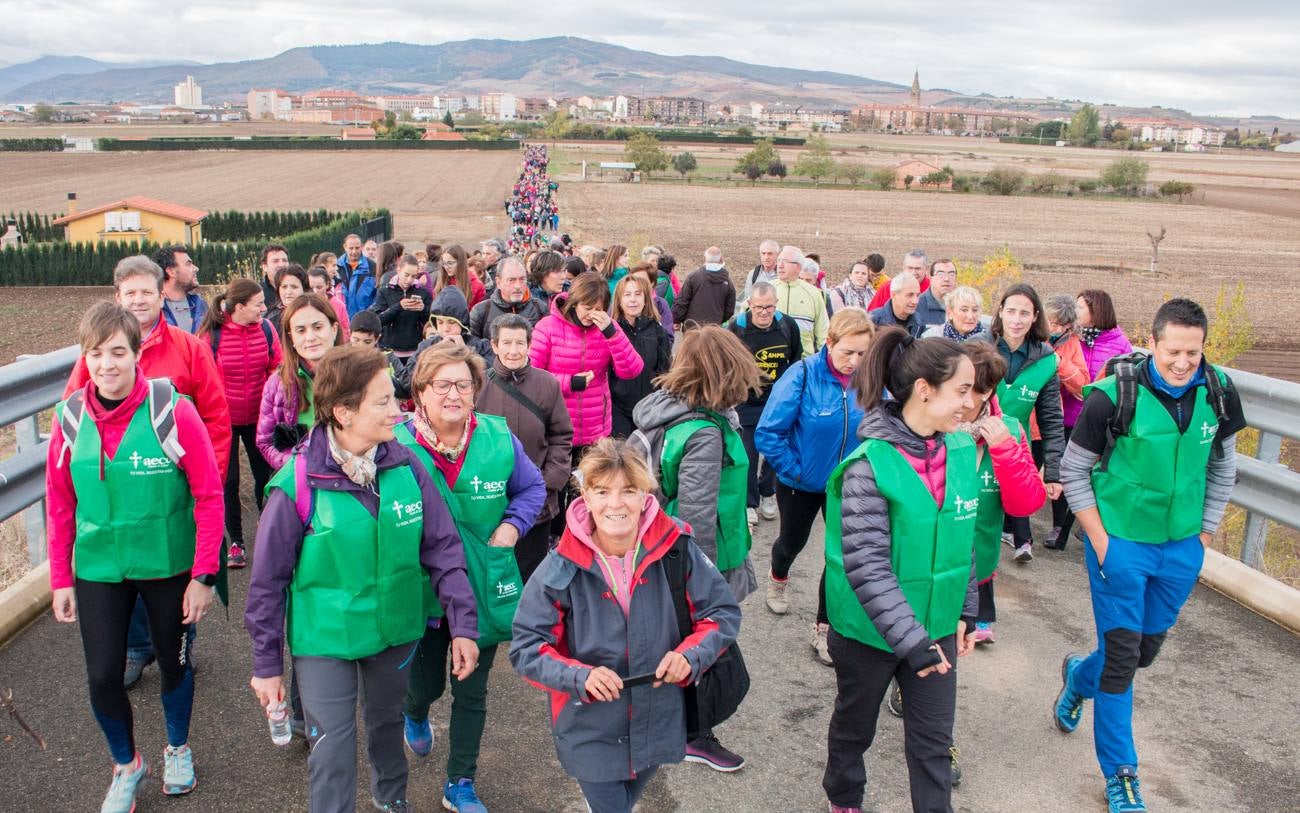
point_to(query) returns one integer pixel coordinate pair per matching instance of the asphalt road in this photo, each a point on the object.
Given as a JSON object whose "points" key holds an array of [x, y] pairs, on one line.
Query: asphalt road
{"points": [[1215, 719]]}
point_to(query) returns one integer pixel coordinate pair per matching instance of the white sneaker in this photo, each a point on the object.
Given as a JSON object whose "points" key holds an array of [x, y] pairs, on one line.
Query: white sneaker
{"points": [[1009, 541], [819, 645], [767, 507], [752, 516], [776, 598]]}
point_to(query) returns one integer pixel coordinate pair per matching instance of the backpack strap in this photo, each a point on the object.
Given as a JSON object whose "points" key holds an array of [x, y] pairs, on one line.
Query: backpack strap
{"points": [[214, 338], [1126, 385], [675, 569], [74, 408], [1218, 396], [162, 416], [266, 331], [507, 386]]}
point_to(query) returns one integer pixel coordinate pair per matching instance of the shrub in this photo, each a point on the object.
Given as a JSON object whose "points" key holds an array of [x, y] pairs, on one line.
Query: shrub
{"points": [[1126, 175], [991, 276], [1047, 184], [883, 178], [1176, 189], [1003, 180], [31, 145]]}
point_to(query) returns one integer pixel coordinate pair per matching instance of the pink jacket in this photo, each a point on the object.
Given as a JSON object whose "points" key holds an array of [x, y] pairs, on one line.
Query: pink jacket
{"points": [[245, 361], [1021, 485], [565, 349], [278, 406], [197, 464], [341, 311]]}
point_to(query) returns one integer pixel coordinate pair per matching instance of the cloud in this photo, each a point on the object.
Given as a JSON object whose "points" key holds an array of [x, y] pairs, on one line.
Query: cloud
{"points": [[1203, 56]]}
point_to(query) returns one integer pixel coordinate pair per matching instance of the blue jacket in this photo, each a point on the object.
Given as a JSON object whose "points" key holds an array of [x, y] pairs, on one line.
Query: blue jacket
{"points": [[198, 309], [360, 293], [808, 425], [346, 272]]}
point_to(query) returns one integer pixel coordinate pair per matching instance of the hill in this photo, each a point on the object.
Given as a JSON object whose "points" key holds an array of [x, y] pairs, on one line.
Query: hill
{"points": [[48, 67]]}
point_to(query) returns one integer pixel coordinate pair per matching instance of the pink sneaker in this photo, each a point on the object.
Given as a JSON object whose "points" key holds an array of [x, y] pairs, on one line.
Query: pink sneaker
{"points": [[984, 633]]}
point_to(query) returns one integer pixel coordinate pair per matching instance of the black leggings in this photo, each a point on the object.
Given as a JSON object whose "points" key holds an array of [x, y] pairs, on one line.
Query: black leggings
{"points": [[104, 611], [246, 433], [1062, 517], [798, 513], [569, 494]]}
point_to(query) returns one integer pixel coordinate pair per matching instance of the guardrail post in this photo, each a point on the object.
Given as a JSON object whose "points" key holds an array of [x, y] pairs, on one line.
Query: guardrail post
{"points": [[1252, 547], [28, 436]]}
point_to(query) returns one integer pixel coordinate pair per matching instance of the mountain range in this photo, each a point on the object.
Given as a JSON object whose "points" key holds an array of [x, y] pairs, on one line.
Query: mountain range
{"points": [[46, 67]]}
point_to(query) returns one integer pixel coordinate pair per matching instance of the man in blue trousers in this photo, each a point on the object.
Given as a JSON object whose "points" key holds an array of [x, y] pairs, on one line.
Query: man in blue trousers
{"points": [[1148, 472]]}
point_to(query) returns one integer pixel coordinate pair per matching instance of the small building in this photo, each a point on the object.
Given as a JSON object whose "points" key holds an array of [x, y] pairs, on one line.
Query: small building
{"points": [[443, 133], [134, 219], [357, 134], [917, 169]]}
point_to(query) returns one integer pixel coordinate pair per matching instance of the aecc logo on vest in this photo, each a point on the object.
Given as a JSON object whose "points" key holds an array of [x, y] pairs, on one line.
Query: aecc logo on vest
{"points": [[144, 466], [965, 508], [487, 489], [408, 513]]}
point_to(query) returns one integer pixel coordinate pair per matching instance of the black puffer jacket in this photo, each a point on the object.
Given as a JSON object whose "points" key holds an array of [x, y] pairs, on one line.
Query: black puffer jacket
{"points": [[655, 347], [867, 542], [1048, 409], [494, 307]]}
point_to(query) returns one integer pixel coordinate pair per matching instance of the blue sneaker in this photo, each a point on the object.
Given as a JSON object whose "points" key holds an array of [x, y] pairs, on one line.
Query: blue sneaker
{"points": [[178, 770], [395, 806], [418, 735], [1122, 792], [126, 782], [1069, 703], [459, 797]]}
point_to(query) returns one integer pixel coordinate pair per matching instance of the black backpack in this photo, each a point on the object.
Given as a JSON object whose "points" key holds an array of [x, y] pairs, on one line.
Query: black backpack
{"points": [[715, 695], [1125, 369]]}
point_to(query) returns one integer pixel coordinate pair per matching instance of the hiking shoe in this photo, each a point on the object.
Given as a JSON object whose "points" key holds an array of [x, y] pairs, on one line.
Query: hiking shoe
{"points": [[984, 633], [751, 516], [834, 808], [236, 557], [1122, 792], [135, 664], [178, 770], [953, 756], [708, 751], [126, 782], [1024, 553], [459, 797], [1053, 540], [395, 806], [777, 601], [767, 507], [1069, 703], [1008, 540], [896, 699], [418, 735], [819, 644]]}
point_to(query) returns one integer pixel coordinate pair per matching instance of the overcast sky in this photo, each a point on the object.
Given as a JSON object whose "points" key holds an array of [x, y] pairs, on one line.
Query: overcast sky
{"points": [[1235, 58]]}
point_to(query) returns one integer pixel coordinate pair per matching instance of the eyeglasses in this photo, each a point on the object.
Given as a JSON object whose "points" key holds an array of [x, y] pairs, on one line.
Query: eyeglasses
{"points": [[449, 263], [945, 272], [762, 308], [442, 386]]}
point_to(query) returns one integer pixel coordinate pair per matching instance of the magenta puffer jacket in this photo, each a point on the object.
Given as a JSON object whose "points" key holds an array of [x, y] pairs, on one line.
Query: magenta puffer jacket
{"points": [[278, 406], [565, 349], [1108, 344], [245, 360]]}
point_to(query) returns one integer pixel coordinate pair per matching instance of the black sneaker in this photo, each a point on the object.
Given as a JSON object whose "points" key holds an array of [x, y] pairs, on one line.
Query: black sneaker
{"points": [[896, 699], [708, 751], [953, 756], [135, 668]]}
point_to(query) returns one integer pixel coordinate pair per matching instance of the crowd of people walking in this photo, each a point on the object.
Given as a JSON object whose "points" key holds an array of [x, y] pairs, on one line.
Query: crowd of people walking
{"points": [[555, 451]]}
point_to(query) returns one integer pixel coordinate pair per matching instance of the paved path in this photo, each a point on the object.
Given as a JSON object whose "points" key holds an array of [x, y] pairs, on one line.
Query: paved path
{"points": [[1215, 719]]}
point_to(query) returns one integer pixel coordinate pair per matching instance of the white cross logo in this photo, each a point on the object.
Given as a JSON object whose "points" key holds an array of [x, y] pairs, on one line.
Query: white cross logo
{"points": [[397, 507], [474, 482], [987, 477], [1207, 429], [135, 460]]}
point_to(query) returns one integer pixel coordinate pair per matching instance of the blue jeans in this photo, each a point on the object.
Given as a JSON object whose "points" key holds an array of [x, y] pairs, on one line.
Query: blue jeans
{"points": [[138, 643], [1136, 596]]}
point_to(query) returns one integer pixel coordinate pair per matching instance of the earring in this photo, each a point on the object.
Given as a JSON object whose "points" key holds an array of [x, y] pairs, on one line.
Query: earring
{"points": [[925, 399]]}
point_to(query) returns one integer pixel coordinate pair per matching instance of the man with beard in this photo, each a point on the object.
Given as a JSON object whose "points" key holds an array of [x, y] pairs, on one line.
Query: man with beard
{"points": [[183, 306]]}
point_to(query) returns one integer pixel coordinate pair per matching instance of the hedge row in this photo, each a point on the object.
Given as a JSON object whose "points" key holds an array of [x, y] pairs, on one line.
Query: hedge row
{"points": [[92, 263], [165, 145], [31, 145], [34, 226], [234, 225]]}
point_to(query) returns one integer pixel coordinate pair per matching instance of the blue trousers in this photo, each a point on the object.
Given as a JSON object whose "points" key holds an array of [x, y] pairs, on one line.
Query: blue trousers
{"points": [[1136, 596]]}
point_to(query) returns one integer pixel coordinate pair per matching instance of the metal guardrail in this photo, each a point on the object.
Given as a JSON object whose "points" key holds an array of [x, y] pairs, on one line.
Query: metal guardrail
{"points": [[1269, 491]]}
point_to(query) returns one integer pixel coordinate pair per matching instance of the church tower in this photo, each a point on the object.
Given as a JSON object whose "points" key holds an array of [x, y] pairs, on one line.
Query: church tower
{"points": [[916, 89]]}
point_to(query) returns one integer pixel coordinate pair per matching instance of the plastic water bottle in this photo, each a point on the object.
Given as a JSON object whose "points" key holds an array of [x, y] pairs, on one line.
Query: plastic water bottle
{"points": [[277, 717]]}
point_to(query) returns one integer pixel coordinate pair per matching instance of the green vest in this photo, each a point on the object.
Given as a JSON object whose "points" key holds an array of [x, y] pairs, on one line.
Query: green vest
{"points": [[1020, 398], [306, 407], [930, 549], [477, 505], [988, 520], [137, 521], [733, 537], [1154, 488], [355, 590]]}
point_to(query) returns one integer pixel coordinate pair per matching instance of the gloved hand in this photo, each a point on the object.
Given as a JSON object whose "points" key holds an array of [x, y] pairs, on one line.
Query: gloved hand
{"points": [[287, 435]]}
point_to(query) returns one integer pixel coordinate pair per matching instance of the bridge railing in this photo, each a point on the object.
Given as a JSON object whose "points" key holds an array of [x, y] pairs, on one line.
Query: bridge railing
{"points": [[1268, 490]]}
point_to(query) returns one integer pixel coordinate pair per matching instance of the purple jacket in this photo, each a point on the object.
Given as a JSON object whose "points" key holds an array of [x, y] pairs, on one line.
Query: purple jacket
{"points": [[1109, 344], [279, 543], [278, 406]]}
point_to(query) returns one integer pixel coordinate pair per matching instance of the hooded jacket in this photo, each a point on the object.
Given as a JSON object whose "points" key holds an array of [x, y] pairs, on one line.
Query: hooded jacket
{"points": [[866, 537], [708, 297], [654, 345], [482, 315], [171, 353], [564, 349], [359, 292], [245, 360], [196, 464], [806, 428], [547, 443], [448, 304], [279, 543], [570, 622]]}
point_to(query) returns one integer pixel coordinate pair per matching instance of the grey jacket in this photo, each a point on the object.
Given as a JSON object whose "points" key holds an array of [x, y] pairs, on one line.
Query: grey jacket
{"points": [[867, 541], [568, 623], [698, 478]]}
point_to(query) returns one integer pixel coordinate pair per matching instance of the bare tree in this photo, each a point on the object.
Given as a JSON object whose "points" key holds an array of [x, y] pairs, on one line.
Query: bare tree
{"points": [[1155, 247]]}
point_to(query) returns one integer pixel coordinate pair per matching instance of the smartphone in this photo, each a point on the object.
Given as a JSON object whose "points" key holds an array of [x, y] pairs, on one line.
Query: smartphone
{"points": [[639, 680]]}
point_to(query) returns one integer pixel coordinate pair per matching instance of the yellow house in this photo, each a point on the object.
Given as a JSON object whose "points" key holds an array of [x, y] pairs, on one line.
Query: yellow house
{"points": [[134, 219]]}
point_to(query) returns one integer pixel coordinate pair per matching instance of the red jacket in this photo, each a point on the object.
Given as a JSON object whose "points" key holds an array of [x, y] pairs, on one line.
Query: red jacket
{"points": [[171, 353], [1020, 483], [245, 361], [197, 464]]}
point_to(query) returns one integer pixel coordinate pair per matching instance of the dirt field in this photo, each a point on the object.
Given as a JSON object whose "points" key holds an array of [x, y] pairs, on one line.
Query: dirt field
{"points": [[453, 196]]}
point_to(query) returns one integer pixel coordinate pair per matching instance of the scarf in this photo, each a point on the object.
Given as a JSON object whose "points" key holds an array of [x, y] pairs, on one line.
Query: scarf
{"points": [[360, 469], [427, 432], [950, 332], [853, 296], [1169, 389], [1088, 335], [972, 428]]}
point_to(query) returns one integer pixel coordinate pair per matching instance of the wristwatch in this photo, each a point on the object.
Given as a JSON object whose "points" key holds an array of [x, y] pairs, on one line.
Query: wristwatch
{"points": [[206, 579]]}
